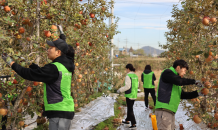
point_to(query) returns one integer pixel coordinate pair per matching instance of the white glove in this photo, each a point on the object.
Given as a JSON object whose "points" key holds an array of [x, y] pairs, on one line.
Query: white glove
{"points": [[199, 84], [118, 91], [60, 29], [7, 58]]}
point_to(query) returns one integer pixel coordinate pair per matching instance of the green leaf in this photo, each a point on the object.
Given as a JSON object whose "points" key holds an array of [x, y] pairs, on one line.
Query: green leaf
{"points": [[38, 113], [35, 45], [32, 115], [15, 57], [206, 55], [22, 81], [182, 3], [23, 64], [199, 52]]}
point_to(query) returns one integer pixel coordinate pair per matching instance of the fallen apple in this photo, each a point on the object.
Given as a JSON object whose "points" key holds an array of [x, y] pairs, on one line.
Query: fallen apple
{"points": [[196, 119]]}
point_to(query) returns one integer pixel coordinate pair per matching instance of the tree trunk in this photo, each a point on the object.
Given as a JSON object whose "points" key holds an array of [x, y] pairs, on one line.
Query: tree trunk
{"points": [[16, 105]]}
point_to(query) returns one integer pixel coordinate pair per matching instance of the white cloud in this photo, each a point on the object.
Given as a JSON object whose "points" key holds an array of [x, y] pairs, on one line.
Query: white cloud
{"points": [[120, 3]]}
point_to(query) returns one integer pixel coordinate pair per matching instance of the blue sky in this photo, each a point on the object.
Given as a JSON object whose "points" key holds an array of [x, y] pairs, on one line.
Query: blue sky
{"points": [[142, 22]]}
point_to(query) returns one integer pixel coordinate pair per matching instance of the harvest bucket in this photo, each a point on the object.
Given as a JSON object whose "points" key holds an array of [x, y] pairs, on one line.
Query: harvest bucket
{"points": [[154, 122]]}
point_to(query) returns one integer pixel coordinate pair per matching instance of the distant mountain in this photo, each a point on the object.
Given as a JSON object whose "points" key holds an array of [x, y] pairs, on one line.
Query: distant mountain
{"points": [[151, 50]]}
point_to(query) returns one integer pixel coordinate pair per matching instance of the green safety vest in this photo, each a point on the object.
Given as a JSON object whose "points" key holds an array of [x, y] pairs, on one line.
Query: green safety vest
{"points": [[147, 78], [65, 86], [132, 92], [174, 98]]}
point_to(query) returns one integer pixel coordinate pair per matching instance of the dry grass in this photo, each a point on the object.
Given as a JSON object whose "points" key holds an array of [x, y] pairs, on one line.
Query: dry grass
{"points": [[139, 63], [140, 58]]}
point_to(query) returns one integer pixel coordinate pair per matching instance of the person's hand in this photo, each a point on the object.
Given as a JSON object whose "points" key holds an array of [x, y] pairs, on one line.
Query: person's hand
{"points": [[60, 29], [7, 59], [199, 84], [118, 91]]}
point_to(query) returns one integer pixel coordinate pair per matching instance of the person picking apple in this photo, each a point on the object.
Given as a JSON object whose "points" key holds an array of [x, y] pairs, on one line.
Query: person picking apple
{"points": [[169, 93], [56, 76]]}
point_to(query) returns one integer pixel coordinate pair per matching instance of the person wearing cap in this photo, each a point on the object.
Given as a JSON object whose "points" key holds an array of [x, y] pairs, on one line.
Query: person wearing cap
{"points": [[170, 92], [56, 76]]}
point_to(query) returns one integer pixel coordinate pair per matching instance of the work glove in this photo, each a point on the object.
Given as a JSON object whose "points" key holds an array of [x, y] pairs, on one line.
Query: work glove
{"points": [[199, 92], [199, 84], [118, 91], [60, 29], [7, 58]]}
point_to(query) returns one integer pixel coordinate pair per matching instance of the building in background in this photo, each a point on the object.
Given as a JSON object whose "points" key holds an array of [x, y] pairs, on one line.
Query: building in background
{"points": [[122, 51]]}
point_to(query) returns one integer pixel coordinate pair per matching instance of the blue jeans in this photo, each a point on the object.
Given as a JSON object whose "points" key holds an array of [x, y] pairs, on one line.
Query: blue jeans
{"points": [[59, 124]]}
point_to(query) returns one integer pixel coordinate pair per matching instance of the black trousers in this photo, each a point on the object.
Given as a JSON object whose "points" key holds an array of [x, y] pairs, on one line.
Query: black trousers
{"points": [[152, 92], [130, 113]]}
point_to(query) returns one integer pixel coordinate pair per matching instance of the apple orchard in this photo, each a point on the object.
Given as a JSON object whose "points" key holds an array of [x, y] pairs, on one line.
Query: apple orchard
{"points": [[25, 27], [192, 36]]}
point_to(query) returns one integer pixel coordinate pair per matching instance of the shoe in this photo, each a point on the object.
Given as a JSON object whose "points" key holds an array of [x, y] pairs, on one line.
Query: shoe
{"points": [[132, 127], [146, 108], [125, 122]]}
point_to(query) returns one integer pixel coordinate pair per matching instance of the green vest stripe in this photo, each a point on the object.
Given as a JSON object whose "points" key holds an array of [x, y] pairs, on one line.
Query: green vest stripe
{"points": [[67, 104], [134, 87], [147, 78], [174, 99]]}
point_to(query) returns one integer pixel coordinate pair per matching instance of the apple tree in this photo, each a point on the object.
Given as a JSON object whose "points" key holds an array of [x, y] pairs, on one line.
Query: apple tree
{"points": [[27, 24], [192, 36]]}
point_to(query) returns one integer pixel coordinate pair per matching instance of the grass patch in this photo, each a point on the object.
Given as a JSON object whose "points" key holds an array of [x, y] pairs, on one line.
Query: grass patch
{"points": [[109, 123]]}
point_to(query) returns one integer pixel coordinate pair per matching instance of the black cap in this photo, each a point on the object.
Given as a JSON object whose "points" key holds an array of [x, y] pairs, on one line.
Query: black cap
{"points": [[60, 44]]}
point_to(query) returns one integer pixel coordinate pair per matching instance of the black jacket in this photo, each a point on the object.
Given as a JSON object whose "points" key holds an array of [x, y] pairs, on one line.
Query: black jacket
{"points": [[167, 79], [147, 72], [47, 74]]}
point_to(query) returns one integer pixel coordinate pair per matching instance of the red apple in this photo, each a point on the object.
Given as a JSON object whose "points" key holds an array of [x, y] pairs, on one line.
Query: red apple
{"points": [[213, 20], [196, 119], [90, 44], [3, 111], [206, 20], [15, 81], [35, 83], [181, 127], [80, 76], [21, 30], [29, 89], [205, 91], [44, 2], [216, 115], [21, 123], [47, 33], [77, 44], [28, 38], [19, 110], [92, 15], [54, 28]]}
